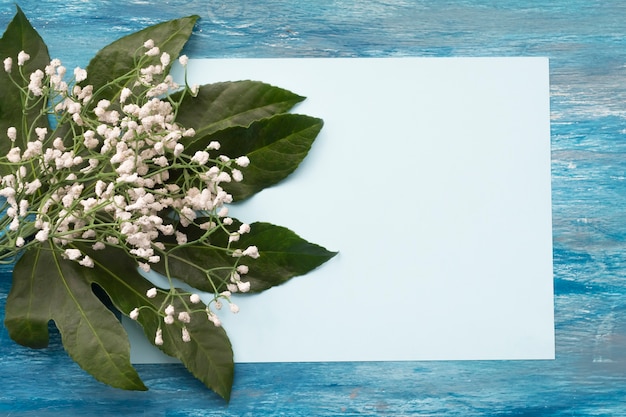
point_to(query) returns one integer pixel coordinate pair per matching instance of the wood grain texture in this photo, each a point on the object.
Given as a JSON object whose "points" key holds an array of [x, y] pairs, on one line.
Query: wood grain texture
{"points": [[586, 43]]}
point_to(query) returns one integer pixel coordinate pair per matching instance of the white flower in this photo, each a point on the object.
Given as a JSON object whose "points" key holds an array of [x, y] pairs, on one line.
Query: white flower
{"points": [[213, 146], [149, 44], [134, 314], [194, 298], [237, 175], [186, 336], [243, 286], [165, 59], [242, 161], [184, 60], [200, 157], [19, 242], [244, 228], [126, 92], [14, 155], [80, 74], [22, 57], [169, 319], [184, 317], [87, 261], [154, 51], [242, 269], [169, 310], [8, 64], [181, 238], [251, 251], [12, 133], [213, 318], [158, 339], [72, 254], [98, 246], [234, 308], [35, 85], [42, 235], [151, 293]]}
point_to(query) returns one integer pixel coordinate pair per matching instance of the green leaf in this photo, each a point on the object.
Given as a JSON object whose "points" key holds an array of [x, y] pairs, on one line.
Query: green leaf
{"points": [[284, 255], [275, 147], [19, 36], [208, 356], [47, 287], [232, 103], [118, 58]]}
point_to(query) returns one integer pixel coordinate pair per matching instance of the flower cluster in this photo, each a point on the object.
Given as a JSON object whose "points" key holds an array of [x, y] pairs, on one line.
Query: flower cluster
{"points": [[98, 173]]}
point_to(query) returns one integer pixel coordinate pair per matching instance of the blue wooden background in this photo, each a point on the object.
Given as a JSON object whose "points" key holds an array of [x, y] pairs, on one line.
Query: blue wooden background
{"points": [[586, 43]]}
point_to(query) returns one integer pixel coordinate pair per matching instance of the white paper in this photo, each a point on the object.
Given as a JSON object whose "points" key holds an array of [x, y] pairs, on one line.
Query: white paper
{"points": [[431, 177]]}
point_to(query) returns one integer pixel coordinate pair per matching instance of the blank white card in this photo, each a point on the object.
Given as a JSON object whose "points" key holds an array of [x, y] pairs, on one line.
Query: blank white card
{"points": [[431, 177]]}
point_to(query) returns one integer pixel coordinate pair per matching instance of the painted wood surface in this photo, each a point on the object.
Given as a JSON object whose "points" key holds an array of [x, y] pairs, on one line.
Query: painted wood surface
{"points": [[586, 43]]}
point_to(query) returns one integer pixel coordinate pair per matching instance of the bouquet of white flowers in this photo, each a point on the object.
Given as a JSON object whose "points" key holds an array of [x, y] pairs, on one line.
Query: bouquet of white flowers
{"points": [[115, 169]]}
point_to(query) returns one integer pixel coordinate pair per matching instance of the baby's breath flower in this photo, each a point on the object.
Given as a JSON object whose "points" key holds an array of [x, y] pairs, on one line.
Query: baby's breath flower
{"points": [[237, 175], [125, 94], [8, 64], [22, 57], [186, 336], [184, 317], [12, 133], [80, 74], [154, 51], [243, 286], [242, 161], [158, 338], [14, 155], [35, 85], [72, 254], [212, 317], [251, 251], [200, 157]]}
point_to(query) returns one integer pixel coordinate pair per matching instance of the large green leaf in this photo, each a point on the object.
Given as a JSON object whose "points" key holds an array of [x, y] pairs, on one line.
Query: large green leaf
{"points": [[284, 255], [208, 356], [232, 103], [47, 287], [19, 36], [118, 58], [275, 147]]}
